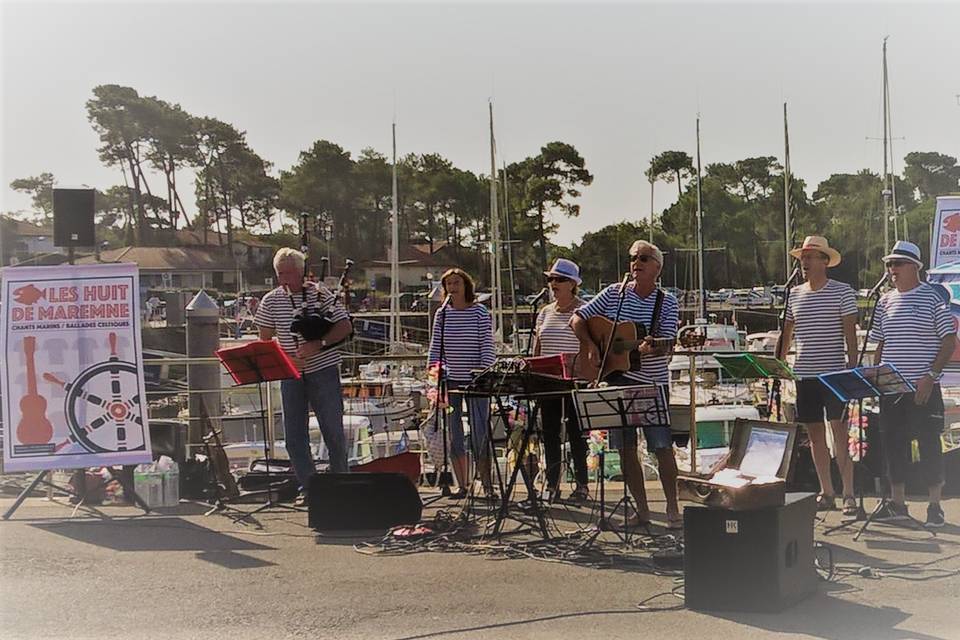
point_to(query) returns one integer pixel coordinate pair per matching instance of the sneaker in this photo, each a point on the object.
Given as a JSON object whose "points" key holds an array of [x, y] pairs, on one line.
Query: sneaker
{"points": [[301, 499], [892, 511], [850, 506], [934, 516], [826, 503], [636, 520]]}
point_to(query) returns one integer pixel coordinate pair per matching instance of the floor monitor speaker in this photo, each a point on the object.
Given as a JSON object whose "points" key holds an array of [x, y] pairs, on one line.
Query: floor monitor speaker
{"points": [[362, 501]]}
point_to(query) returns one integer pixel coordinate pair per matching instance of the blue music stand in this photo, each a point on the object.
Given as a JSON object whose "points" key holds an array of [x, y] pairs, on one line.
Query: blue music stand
{"points": [[866, 382]]}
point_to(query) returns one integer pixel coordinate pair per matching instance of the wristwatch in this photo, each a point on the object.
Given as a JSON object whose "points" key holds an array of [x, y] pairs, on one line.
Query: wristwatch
{"points": [[323, 343], [933, 375]]}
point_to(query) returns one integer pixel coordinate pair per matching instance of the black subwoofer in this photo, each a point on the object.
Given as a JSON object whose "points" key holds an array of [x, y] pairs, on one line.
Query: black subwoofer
{"points": [[362, 501], [759, 560]]}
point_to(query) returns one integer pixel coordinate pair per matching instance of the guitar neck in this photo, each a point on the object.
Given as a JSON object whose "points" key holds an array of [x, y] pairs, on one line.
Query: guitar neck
{"points": [[29, 347]]}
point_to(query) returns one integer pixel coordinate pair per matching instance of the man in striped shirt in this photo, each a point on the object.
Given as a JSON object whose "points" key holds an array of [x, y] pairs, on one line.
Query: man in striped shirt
{"points": [[915, 333], [319, 385], [822, 316], [646, 261]]}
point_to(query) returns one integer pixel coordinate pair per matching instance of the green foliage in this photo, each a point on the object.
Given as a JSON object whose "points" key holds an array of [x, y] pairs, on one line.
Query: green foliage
{"points": [[40, 189], [932, 174]]}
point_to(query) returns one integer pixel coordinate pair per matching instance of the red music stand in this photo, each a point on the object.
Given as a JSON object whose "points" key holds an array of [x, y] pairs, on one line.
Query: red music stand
{"points": [[255, 363]]}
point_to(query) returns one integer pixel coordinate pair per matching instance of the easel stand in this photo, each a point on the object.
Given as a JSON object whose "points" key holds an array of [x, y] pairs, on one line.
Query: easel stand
{"points": [[78, 492], [857, 384], [258, 363], [613, 408]]}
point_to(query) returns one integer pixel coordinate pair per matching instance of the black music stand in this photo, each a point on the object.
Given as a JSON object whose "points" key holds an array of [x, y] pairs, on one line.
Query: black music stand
{"points": [[256, 363], [608, 408], [858, 384]]}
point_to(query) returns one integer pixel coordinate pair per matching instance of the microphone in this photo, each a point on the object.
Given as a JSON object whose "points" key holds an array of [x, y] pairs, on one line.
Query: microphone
{"points": [[879, 285], [446, 301], [623, 283], [793, 275], [540, 296]]}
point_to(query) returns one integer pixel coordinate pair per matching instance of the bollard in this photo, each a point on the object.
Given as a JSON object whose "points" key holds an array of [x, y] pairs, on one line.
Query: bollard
{"points": [[203, 380]]}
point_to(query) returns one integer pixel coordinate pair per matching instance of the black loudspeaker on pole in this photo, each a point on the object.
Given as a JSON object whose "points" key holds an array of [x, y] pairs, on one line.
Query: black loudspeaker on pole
{"points": [[73, 217]]}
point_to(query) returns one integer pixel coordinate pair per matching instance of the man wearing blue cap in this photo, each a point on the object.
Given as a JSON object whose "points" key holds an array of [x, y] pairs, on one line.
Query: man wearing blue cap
{"points": [[914, 332]]}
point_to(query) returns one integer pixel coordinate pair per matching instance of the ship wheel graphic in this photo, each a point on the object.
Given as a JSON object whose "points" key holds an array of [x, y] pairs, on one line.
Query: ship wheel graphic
{"points": [[116, 423]]}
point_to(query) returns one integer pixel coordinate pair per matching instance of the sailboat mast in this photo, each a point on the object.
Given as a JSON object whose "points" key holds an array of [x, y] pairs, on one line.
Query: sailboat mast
{"points": [[394, 255], [513, 284], [890, 181], [787, 219], [886, 142], [494, 237], [703, 292]]}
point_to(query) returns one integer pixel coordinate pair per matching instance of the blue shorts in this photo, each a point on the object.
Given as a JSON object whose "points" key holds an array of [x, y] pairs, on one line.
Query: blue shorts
{"points": [[657, 437]]}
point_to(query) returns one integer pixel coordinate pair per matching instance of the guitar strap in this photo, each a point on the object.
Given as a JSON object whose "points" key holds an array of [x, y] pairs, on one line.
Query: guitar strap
{"points": [[655, 318]]}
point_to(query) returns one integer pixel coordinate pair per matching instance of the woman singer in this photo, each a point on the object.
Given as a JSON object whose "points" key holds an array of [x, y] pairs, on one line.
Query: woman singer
{"points": [[554, 336], [463, 331]]}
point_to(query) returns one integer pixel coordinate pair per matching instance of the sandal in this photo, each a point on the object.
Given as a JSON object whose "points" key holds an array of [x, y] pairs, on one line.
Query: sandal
{"points": [[674, 521], [826, 503], [850, 506], [636, 520], [580, 494]]}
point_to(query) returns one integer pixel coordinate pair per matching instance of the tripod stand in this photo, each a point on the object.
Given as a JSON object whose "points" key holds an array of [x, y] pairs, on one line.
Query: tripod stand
{"points": [[257, 363], [621, 408]]}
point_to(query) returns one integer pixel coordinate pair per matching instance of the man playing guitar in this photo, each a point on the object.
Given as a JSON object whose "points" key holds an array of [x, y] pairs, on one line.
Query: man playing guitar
{"points": [[646, 305]]}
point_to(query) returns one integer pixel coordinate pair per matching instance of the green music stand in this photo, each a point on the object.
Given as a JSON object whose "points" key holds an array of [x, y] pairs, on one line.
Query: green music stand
{"points": [[750, 366]]}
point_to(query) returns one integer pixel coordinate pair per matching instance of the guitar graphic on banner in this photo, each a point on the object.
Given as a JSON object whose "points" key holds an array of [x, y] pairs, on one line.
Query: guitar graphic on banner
{"points": [[34, 429]]}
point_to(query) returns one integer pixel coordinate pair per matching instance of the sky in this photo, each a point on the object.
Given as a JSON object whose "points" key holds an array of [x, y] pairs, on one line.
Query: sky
{"points": [[621, 82]]}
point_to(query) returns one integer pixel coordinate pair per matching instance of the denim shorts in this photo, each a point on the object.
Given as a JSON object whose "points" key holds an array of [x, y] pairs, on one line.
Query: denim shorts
{"points": [[657, 437]]}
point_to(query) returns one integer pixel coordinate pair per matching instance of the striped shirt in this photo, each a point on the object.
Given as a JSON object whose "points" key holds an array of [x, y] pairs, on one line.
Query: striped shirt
{"points": [[911, 325], [467, 341], [818, 326], [653, 369], [554, 332], [276, 312]]}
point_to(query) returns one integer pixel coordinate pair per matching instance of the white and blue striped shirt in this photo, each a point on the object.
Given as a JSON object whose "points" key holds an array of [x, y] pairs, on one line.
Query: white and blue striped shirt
{"points": [[276, 312], [554, 331], [911, 324], [467, 341], [653, 368], [818, 326]]}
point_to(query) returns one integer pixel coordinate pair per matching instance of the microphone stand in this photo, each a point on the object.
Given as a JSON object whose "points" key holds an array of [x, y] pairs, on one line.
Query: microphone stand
{"points": [[443, 478], [533, 322], [774, 395], [861, 516], [602, 523]]}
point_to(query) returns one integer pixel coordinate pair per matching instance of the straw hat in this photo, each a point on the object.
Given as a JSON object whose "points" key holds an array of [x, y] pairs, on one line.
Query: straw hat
{"points": [[818, 243]]}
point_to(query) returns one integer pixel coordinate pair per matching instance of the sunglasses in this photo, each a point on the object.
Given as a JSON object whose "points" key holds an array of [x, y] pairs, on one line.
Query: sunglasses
{"points": [[557, 279], [896, 263], [641, 258]]}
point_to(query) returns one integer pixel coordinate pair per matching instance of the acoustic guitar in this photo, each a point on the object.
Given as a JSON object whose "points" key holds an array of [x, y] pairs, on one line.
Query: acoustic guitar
{"points": [[34, 427], [627, 336]]}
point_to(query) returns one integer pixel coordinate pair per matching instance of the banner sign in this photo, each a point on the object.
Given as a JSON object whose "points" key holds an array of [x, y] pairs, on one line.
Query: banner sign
{"points": [[945, 240], [947, 280], [72, 370]]}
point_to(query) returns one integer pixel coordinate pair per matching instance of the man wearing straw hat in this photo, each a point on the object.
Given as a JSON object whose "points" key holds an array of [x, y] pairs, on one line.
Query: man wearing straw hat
{"points": [[822, 318], [914, 331]]}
